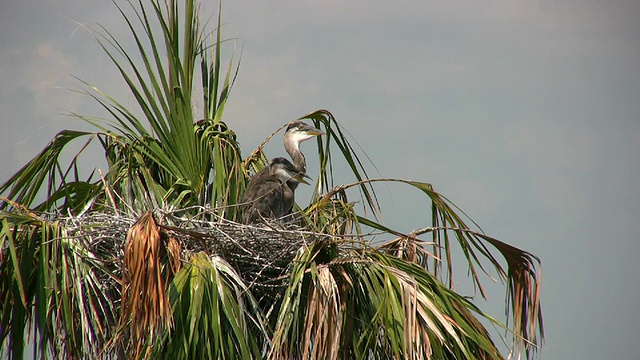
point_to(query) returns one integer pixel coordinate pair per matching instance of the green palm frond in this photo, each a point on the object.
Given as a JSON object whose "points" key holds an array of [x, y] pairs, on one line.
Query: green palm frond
{"points": [[164, 99], [214, 314], [521, 273], [357, 302], [56, 283], [167, 154], [226, 178], [45, 177]]}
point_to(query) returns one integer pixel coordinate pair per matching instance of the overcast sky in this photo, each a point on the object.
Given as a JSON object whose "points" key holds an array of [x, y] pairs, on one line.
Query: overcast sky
{"points": [[525, 113]]}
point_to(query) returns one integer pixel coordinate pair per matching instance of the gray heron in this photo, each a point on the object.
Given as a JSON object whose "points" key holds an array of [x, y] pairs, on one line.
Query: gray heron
{"points": [[269, 194], [261, 193]]}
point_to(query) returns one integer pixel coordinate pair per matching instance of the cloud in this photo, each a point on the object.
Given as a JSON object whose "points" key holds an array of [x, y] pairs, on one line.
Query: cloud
{"points": [[48, 69]]}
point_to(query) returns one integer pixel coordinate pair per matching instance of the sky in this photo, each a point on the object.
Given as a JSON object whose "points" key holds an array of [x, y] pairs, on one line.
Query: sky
{"points": [[526, 114]]}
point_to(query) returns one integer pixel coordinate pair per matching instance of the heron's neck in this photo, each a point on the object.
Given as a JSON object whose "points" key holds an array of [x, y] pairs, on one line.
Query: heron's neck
{"points": [[292, 184], [293, 149]]}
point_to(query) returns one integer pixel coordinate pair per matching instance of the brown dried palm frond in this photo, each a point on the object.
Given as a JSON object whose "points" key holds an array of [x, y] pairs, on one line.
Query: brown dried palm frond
{"points": [[324, 317], [145, 307]]}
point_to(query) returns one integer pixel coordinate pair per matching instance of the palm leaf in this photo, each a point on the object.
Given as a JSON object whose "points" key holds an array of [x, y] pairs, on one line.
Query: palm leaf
{"points": [[357, 302], [45, 170], [145, 307], [57, 285], [215, 314], [521, 274]]}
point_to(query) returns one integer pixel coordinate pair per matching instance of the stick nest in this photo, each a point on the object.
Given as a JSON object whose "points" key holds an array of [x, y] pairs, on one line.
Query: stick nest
{"points": [[259, 253]]}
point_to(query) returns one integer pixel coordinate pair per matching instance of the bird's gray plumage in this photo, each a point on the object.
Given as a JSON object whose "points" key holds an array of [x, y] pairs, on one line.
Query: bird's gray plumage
{"points": [[267, 196]]}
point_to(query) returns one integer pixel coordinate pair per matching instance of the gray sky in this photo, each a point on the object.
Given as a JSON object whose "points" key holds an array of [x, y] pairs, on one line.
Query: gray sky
{"points": [[525, 113]]}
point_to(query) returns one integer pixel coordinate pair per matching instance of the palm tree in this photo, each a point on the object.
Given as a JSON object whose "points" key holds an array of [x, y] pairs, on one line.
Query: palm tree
{"points": [[148, 259]]}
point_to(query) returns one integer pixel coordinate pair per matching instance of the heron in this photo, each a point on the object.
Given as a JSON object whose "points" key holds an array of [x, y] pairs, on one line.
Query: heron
{"points": [[297, 132], [269, 194]]}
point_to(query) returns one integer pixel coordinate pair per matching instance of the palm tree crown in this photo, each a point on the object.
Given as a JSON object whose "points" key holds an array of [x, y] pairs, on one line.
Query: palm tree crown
{"points": [[150, 259]]}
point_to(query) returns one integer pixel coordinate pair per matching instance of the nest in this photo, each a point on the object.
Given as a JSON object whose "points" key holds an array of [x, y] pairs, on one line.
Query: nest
{"points": [[260, 254]]}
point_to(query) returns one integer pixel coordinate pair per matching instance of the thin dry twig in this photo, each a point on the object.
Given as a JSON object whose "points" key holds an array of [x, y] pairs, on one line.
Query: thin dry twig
{"points": [[261, 254]]}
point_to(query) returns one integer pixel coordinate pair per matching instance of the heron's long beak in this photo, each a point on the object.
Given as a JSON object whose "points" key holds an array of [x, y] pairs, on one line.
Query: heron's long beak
{"points": [[301, 178], [315, 132], [310, 130]]}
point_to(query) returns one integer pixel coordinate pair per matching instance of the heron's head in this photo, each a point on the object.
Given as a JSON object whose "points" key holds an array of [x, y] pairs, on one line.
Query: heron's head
{"points": [[297, 132], [286, 171]]}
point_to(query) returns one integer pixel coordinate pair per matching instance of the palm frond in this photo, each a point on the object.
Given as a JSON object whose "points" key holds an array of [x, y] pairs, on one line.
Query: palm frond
{"points": [[45, 171], [189, 160], [226, 178], [354, 301], [215, 315], [145, 307], [521, 273], [324, 120], [55, 283]]}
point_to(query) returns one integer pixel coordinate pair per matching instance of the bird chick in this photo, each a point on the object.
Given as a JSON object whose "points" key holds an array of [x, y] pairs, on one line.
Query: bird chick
{"points": [[269, 194]]}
